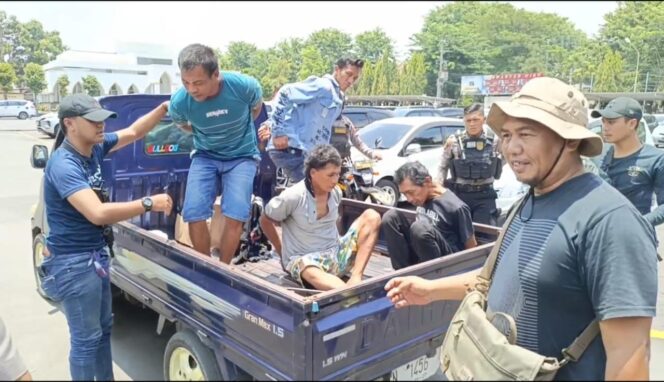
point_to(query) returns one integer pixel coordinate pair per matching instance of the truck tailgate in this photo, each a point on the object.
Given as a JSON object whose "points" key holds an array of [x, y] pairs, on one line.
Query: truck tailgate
{"points": [[359, 335]]}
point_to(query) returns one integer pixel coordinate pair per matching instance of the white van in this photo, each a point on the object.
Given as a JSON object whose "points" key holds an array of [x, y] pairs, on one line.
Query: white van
{"points": [[18, 108]]}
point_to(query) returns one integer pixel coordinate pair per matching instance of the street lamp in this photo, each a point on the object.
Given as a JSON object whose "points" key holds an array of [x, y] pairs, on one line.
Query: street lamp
{"points": [[636, 77]]}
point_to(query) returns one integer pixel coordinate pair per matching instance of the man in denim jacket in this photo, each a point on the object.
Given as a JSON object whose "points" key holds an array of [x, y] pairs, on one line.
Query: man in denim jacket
{"points": [[304, 114]]}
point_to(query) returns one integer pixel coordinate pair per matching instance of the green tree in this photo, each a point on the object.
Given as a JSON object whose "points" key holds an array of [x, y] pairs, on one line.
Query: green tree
{"points": [[275, 77], [642, 23], [312, 63], [412, 76], [610, 73], [22, 43], [493, 38], [7, 78], [370, 45], [62, 83], [239, 56], [91, 85], [332, 44], [385, 76], [34, 78], [290, 50]]}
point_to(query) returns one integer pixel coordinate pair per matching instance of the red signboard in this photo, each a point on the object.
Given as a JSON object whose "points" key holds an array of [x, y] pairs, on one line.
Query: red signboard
{"points": [[507, 83]]}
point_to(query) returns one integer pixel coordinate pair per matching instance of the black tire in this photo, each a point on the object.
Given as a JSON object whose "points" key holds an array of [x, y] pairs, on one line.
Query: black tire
{"points": [[38, 244], [22, 115], [391, 188], [201, 361]]}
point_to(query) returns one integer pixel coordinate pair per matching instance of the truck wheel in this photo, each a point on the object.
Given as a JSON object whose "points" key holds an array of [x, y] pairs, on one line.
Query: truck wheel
{"points": [[186, 358], [22, 115], [38, 246], [391, 189]]}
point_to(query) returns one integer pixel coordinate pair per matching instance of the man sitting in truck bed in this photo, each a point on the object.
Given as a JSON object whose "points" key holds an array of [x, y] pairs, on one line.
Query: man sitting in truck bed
{"points": [[313, 253]]}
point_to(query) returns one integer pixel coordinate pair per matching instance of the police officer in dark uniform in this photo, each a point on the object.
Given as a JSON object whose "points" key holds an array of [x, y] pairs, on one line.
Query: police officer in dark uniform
{"points": [[474, 162]]}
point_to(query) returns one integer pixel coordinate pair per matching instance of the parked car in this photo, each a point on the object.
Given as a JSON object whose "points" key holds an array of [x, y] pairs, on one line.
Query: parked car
{"points": [[18, 108], [49, 124], [403, 139], [252, 321], [452, 112], [418, 111], [362, 115]]}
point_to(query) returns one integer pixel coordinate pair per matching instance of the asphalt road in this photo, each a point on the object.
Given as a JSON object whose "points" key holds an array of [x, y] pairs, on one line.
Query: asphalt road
{"points": [[39, 330]]}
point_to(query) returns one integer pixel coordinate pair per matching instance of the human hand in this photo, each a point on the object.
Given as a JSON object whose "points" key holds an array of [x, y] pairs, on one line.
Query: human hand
{"points": [[264, 132], [409, 290], [377, 156], [164, 105], [450, 141], [280, 143], [162, 203]]}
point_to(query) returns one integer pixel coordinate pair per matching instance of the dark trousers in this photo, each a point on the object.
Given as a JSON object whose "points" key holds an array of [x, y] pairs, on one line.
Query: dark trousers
{"points": [[410, 244], [482, 205]]}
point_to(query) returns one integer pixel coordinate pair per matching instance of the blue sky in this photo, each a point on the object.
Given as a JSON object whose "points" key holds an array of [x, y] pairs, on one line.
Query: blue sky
{"points": [[99, 26]]}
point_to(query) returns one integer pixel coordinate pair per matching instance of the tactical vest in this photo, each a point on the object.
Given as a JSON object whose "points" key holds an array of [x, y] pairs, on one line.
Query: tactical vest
{"points": [[340, 138], [477, 160]]}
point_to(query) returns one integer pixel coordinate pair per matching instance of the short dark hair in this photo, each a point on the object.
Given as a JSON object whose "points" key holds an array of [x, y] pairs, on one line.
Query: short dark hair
{"points": [[343, 62], [473, 108], [415, 171], [321, 156], [194, 55]]}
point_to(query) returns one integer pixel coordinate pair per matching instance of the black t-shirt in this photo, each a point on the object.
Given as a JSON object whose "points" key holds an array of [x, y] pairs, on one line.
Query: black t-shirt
{"points": [[451, 216]]}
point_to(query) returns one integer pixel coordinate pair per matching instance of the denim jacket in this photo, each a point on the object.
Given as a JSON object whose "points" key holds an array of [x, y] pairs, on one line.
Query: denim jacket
{"points": [[305, 111]]}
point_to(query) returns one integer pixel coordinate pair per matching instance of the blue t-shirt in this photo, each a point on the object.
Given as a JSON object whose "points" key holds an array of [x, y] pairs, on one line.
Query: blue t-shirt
{"points": [[638, 176], [68, 172], [585, 253], [223, 126]]}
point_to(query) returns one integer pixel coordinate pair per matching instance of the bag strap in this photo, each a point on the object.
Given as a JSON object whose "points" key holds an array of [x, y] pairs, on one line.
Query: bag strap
{"points": [[484, 278], [578, 347]]}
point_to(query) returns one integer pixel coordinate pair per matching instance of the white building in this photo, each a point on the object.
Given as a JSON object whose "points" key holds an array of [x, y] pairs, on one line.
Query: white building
{"points": [[134, 68]]}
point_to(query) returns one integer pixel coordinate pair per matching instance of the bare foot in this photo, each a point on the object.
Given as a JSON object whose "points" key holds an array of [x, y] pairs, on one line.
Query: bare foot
{"points": [[353, 280]]}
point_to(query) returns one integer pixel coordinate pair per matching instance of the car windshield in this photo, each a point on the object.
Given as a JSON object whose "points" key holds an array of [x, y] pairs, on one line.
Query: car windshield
{"points": [[383, 135]]}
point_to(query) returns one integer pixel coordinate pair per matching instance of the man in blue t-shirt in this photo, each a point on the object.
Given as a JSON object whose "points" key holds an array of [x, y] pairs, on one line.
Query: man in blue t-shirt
{"points": [[577, 250], [219, 108], [75, 273], [304, 113], [633, 168]]}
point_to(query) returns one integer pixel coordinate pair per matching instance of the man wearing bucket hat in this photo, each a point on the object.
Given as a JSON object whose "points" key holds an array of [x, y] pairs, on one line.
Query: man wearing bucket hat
{"points": [[576, 251], [75, 273], [635, 169]]}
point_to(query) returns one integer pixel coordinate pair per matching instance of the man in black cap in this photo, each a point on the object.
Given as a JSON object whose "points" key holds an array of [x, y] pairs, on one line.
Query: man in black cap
{"points": [[633, 168], [75, 272]]}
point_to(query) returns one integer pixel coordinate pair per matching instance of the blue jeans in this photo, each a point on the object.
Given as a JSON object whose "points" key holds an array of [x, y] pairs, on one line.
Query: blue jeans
{"points": [[292, 164], [84, 296], [237, 183]]}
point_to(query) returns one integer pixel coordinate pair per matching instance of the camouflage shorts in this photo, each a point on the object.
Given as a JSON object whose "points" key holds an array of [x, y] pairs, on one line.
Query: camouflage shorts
{"points": [[337, 261]]}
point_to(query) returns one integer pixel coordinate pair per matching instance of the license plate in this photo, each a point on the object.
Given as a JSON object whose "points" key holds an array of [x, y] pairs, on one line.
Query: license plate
{"points": [[417, 370], [362, 165]]}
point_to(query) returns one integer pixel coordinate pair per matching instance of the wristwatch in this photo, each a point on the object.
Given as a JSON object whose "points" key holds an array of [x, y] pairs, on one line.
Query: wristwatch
{"points": [[147, 203]]}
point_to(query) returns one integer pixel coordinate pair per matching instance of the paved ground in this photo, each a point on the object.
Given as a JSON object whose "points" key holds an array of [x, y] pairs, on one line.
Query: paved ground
{"points": [[40, 331]]}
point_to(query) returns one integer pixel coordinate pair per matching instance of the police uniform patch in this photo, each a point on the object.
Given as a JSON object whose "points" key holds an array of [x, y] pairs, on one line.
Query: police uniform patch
{"points": [[480, 145], [470, 144]]}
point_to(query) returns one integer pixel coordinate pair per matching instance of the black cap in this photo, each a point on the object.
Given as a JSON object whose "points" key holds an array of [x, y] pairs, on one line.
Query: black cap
{"points": [[82, 105], [620, 107]]}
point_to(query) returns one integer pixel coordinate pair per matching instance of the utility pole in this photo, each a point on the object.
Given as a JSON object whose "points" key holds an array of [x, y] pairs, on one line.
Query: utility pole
{"points": [[442, 72], [647, 78]]}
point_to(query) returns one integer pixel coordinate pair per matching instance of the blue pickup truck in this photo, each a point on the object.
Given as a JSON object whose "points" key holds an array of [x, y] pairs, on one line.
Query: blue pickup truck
{"points": [[252, 321]]}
